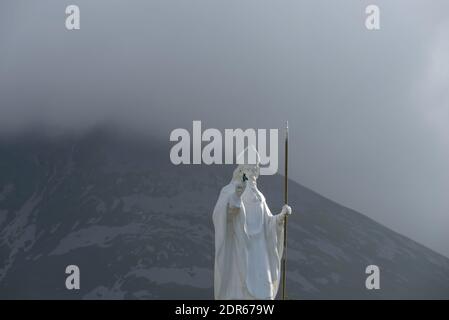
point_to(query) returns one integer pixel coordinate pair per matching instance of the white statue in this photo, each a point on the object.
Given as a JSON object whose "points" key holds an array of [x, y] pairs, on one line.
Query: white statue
{"points": [[248, 240]]}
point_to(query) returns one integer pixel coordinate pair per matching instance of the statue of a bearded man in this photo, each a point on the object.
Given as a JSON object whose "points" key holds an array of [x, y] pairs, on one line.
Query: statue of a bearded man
{"points": [[248, 239]]}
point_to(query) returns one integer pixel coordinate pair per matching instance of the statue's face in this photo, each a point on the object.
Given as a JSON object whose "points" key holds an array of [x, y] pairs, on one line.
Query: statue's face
{"points": [[252, 171]]}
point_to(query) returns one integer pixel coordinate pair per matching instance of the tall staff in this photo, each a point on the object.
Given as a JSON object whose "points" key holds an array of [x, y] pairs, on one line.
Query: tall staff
{"points": [[284, 258]]}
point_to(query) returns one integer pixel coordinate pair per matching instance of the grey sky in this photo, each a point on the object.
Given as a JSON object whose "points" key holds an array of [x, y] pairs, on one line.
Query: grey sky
{"points": [[368, 111]]}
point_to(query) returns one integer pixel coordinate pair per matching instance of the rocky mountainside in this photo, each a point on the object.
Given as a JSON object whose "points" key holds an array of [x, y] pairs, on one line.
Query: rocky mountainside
{"points": [[139, 227]]}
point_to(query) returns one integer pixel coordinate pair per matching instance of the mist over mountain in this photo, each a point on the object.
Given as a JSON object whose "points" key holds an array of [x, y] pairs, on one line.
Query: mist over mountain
{"points": [[139, 227]]}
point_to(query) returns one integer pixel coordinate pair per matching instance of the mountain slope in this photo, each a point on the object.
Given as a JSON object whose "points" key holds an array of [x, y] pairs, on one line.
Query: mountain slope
{"points": [[140, 227]]}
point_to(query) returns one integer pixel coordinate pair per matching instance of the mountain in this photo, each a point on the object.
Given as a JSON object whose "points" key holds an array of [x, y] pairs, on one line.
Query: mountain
{"points": [[139, 227]]}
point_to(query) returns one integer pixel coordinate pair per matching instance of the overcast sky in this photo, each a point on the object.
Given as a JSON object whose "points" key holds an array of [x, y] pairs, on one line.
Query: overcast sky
{"points": [[368, 111]]}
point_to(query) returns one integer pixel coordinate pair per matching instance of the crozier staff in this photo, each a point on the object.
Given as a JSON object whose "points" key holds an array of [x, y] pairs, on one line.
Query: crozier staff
{"points": [[284, 257]]}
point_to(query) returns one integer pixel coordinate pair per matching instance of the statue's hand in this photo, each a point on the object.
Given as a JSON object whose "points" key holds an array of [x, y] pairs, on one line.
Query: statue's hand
{"points": [[286, 210]]}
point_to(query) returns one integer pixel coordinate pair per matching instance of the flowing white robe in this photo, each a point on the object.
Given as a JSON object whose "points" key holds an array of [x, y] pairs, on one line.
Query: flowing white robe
{"points": [[248, 247]]}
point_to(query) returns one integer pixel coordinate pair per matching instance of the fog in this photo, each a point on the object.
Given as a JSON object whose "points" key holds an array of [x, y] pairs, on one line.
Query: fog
{"points": [[368, 110]]}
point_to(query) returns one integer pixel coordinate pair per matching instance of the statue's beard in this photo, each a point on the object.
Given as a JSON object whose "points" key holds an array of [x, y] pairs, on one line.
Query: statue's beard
{"points": [[252, 199], [251, 192]]}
